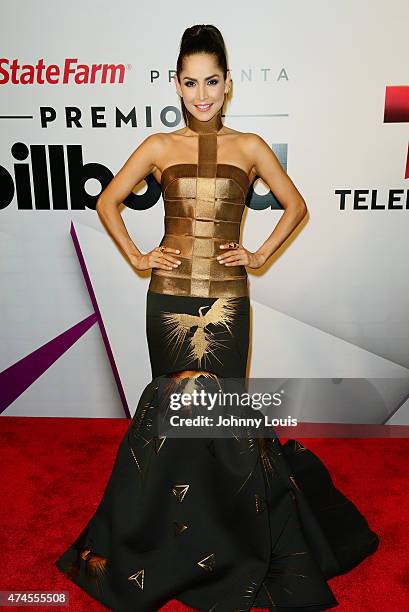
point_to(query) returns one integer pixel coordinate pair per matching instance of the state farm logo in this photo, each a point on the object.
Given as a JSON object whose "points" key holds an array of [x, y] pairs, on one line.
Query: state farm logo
{"points": [[71, 72]]}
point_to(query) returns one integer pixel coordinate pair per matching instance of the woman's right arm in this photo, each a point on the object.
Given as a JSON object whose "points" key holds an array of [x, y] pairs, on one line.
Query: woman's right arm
{"points": [[140, 164]]}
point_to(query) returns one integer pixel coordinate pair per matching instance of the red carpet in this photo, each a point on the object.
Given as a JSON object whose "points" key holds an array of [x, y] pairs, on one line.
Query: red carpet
{"points": [[54, 471]]}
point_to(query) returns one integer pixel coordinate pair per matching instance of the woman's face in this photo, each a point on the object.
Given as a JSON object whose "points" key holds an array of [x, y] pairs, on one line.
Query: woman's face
{"points": [[202, 85]]}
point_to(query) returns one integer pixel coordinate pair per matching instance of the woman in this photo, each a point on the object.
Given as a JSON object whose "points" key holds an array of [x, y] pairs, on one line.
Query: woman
{"points": [[219, 523]]}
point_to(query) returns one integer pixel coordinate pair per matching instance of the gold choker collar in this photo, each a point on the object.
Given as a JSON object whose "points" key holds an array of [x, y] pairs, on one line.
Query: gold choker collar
{"points": [[211, 126]]}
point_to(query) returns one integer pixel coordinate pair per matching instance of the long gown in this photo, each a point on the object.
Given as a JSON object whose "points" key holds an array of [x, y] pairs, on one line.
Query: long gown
{"points": [[222, 524]]}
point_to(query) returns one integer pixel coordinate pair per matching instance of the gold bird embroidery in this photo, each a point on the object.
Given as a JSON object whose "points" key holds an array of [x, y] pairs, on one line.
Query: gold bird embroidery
{"points": [[203, 342]]}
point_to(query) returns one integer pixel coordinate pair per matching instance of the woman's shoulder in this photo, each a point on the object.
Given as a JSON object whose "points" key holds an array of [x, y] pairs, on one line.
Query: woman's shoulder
{"points": [[163, 139], [246, 138], [249, 142], [250, 137], [156, 143]]}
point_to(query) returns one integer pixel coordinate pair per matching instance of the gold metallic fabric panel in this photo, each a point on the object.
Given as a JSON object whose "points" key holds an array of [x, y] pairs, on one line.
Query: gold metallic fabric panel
{"points": [[179, 181], [201, 267], [207, 156], [180, 208], [203, 247], [179, 226], [204, 205], [198, 287], [180, 187], [205, 189], [228, 211], [172, 286]]}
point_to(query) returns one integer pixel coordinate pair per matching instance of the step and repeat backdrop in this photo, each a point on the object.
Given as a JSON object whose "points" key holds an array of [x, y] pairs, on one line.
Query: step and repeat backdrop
{"points": [[326, 84]]}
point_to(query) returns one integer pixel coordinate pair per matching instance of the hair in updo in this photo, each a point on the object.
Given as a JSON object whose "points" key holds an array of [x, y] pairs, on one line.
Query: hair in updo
{"points": [[201, 39]]}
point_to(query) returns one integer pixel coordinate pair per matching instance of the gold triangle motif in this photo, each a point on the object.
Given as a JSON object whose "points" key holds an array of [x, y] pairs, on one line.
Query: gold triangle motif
{"points": [[208, 563], [138, 578], [158, 443], [179, 491], [179, 527], [298, 447]]}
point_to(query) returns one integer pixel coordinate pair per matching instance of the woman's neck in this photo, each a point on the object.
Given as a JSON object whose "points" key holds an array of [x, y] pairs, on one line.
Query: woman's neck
{"points": [[212, 126]]}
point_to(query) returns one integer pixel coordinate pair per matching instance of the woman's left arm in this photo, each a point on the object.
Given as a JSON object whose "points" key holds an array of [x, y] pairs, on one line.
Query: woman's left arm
{"points": [[269, 169]]}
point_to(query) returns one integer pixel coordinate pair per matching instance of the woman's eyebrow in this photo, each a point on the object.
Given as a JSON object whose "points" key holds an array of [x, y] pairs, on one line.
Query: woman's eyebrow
{"points": [[206, 79]]}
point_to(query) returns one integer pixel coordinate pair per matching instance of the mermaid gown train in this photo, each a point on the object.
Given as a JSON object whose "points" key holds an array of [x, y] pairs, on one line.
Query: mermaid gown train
{"points": [[220, 524]]}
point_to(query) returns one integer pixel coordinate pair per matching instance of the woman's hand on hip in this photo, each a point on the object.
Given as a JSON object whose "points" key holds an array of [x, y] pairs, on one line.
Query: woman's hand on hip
{"points": [[156, 258], [240, 257]]}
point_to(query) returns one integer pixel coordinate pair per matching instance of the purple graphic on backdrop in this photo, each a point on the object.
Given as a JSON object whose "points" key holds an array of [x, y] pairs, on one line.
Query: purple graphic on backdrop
{"points": [[15, 379]]}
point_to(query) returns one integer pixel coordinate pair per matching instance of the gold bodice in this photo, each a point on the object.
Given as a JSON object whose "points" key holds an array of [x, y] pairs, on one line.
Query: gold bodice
{"points": [[204, 204]]}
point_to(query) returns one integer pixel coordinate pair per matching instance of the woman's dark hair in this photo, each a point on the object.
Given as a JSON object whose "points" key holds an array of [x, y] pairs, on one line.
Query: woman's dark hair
{"points": [[201, 39]]}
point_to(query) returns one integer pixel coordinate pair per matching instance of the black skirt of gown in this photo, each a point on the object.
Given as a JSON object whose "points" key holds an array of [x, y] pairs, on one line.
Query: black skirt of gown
{"points": [[220, 524]]}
